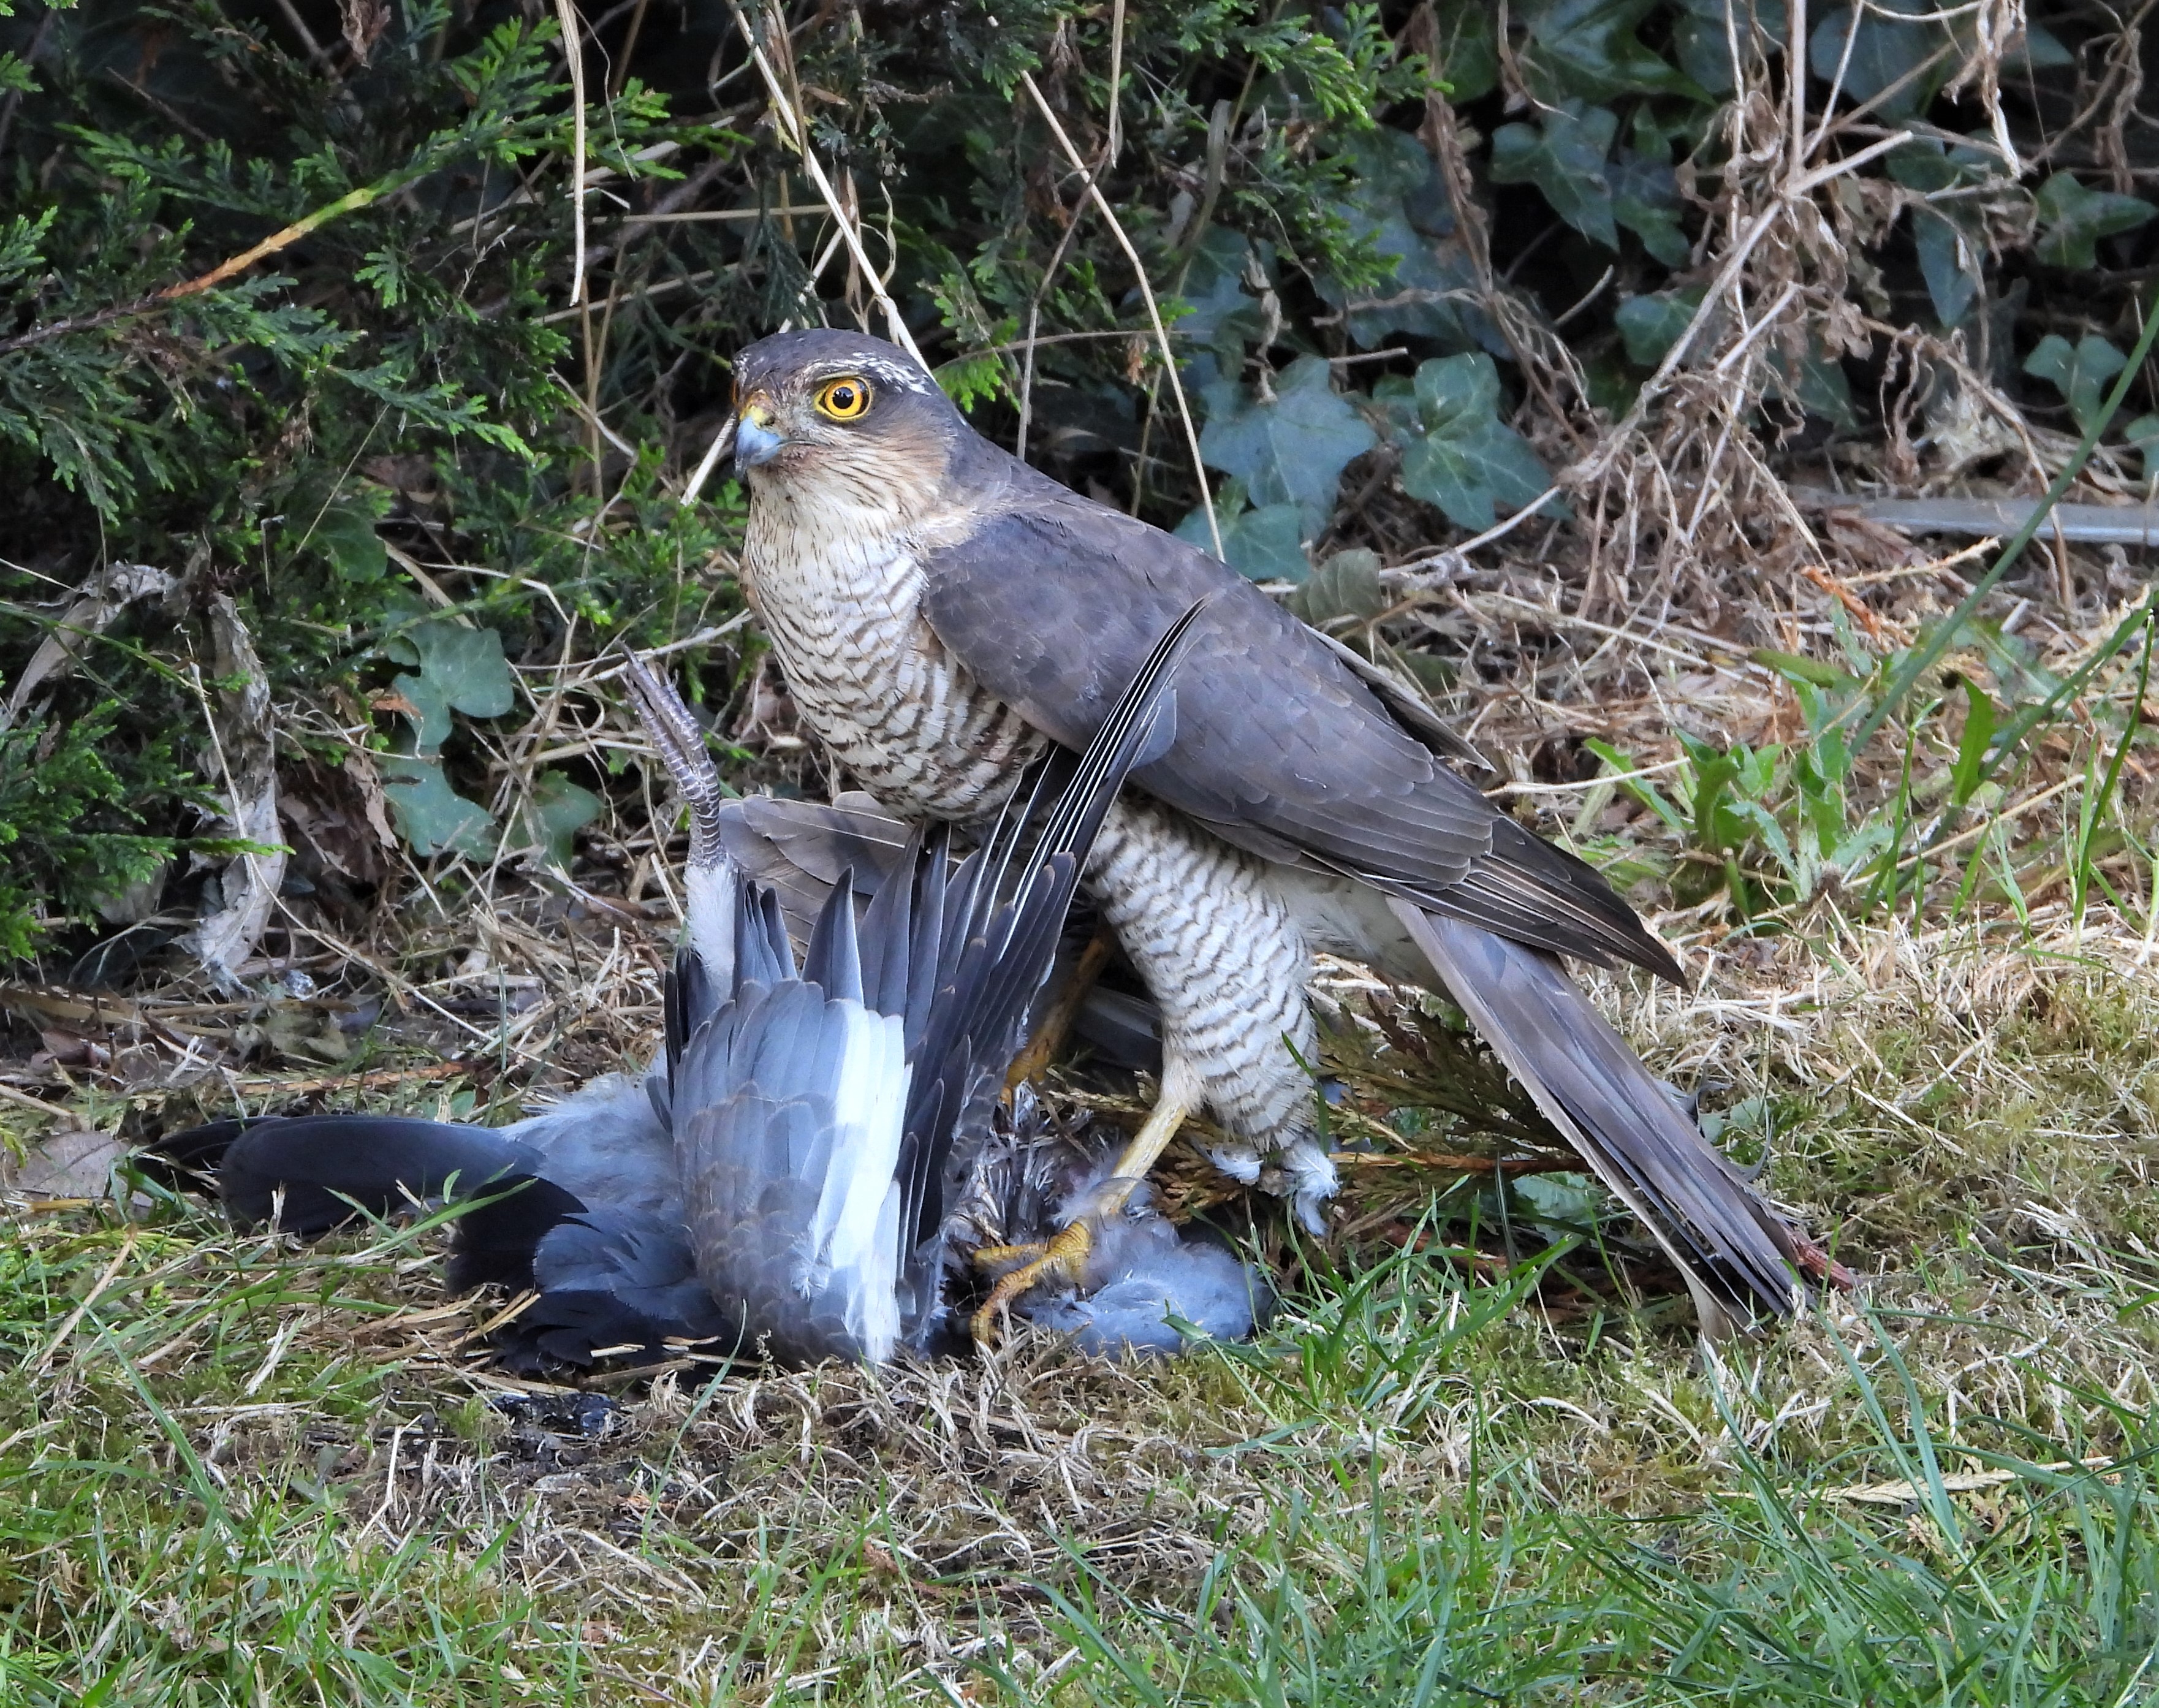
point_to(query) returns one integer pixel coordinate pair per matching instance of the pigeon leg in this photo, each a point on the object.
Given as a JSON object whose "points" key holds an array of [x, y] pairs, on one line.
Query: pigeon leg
{"points": [[682, 748], [1057, 1019], [1063, 1257]]}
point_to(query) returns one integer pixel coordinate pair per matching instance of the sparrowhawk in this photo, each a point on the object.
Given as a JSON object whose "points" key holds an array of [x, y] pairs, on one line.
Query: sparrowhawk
{"points": [[943, 613]]}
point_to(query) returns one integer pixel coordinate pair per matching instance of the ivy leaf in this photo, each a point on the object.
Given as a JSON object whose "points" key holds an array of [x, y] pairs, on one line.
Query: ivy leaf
{"points": [[1951, 252], [431, 816], [2074, 219], [1588, 49], [556, 810], [1429, 296], [2143, 434], [345, 533], [1346, 586], [1456, 452], [2037, 50], [1645, 199], [1815, 382], [1267, 544], [1891, 44], [1651, 325], [1219, 313], [1927, 165], [461, 669], [1561, 1204], [2078, 371], [1466, 56], [1396, 209], [1704, 48], [1950, 233], [1564, 159], [1292, 449], [1923, 164]]}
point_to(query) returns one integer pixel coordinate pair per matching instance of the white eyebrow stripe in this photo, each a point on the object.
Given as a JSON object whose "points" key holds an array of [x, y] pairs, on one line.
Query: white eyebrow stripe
{"points": [[873, 368]]}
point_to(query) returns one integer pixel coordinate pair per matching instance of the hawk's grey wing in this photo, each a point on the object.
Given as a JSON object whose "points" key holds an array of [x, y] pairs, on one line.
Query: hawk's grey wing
{"points": [[1000, 921], [1054, 601], [1280, 749]]}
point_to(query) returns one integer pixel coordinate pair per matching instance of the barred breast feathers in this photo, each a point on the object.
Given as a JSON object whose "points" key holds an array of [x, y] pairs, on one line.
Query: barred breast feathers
{"points": [[1224, 960], [838, 586], [837, 581]]}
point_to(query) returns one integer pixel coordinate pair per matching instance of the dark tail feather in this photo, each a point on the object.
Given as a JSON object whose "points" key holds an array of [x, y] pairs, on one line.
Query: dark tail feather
{"points": [[380, 1162], [1732, 1247], [190, 1159], [311, 1170]]}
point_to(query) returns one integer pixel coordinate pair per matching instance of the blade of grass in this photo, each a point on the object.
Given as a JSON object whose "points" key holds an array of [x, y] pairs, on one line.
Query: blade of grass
{"points": [[2094, 809], [2007, 739]]}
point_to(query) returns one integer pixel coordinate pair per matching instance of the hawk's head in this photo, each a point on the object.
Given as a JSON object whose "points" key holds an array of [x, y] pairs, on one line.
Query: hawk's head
{"points": [[826, 406]]}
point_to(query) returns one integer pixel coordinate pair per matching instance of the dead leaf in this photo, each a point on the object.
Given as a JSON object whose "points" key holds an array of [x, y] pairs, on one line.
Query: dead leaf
{"points": [[1901, 1494], [77, 1162], [244, 759], [372, 799], [364, 21], [326, 815], [69, 1050]]}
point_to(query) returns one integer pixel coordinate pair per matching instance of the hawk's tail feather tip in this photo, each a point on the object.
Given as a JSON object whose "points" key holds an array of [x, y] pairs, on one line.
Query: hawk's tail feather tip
{"points": [[1739, 1256]]}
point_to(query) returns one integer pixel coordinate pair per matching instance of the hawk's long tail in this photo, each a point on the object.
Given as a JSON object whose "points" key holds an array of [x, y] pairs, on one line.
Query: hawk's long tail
{"points": [[1733, 1247]]}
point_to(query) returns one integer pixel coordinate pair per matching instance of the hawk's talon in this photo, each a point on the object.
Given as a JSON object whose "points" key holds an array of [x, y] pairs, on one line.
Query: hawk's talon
{"points": [[1062, 1257]]}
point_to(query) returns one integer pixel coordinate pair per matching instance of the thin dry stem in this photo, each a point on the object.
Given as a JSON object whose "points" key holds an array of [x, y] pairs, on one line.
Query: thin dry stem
{"points": [[573, 53], [1146, 293]]}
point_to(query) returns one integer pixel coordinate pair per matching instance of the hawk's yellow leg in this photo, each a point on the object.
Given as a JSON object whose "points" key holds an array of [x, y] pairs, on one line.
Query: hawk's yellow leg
{"points": [[1064, 1255], [1049, 1037]]}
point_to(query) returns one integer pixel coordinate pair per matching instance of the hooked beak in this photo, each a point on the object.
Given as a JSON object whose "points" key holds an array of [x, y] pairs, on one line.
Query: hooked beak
{"points": [[747, 435], [755, 441]]}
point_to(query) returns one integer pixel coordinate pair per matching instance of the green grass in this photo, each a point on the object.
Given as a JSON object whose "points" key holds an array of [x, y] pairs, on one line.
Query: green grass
{"points": [[248, 1473]]}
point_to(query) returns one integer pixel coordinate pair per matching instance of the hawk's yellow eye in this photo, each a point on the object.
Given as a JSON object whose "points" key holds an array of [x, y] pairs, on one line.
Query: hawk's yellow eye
{"points": [[846, 398]]}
